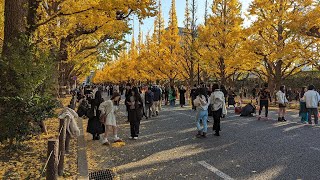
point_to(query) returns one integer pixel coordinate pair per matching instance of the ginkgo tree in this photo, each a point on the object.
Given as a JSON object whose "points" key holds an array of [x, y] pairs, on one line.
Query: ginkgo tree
{"points": [[221, 39], [81, 28], [276, 38]]}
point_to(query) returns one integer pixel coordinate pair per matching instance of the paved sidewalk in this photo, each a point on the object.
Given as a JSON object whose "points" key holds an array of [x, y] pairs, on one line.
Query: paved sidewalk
{"points": [[247, 149]]}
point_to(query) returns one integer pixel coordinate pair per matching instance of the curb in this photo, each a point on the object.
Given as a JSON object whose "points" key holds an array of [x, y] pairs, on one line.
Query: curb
{"points": [[83, 173]]}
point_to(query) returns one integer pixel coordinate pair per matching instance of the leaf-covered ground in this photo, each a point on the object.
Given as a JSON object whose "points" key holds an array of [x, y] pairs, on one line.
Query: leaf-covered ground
{"points": [[28, 162]]}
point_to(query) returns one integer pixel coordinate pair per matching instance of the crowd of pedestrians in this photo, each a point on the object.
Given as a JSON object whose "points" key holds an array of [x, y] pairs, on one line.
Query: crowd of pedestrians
{"points": [[147, 100]]}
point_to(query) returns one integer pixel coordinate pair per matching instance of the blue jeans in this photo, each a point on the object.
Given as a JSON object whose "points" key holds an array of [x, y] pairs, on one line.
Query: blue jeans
{"points": [[172, 102], [304, 117], [202, 115]]}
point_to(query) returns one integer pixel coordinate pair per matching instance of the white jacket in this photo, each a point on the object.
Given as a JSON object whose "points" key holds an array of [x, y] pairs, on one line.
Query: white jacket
{"points": [[281, 97], [312, 98], [108, 109], [201, 103], [218, 101], [71, 116]]}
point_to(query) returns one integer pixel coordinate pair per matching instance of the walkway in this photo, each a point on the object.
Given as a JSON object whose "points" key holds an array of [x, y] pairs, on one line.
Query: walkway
{"points": [[246, 149]]}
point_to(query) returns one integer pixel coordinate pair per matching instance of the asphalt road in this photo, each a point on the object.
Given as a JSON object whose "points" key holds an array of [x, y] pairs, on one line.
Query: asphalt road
{"points": [[247, 149]]}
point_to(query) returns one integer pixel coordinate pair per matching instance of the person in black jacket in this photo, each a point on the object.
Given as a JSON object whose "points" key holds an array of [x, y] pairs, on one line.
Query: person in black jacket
{"points": [[127, 94], [182, 92], [193, 95], [135, 105], [148, 102], [95, 127], [156, 100]]}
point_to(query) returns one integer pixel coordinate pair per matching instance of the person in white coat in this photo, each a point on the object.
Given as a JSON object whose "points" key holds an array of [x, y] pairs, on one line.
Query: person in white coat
{"points": [[282, 101], [107, 109], [217, 99], [312, 99], [201, 103]]}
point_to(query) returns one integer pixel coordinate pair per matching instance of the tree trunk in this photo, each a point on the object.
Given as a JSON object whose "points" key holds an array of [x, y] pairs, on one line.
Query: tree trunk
{"points": [[15, 12], [171, 81], [222, 71], [278, 75]]}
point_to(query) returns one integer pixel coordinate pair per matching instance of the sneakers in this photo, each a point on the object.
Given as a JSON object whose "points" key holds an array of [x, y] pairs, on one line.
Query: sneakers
{"points": [[217, 134], [105, 142], [279, 119], [135, 138], [283, 119], [157, 113], [204, 135], [199, 135]]}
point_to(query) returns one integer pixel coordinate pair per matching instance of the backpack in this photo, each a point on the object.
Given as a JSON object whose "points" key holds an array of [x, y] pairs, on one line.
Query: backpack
{"points": [[149, 97]]}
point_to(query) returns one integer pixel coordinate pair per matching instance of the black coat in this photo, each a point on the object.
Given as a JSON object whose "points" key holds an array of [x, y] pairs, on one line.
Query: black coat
{"points": [[182, 96], [94, 124], [135, 114]]}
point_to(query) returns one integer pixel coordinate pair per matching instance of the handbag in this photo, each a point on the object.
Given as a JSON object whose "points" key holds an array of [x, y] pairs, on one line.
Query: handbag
{"points": [[103, 118]]}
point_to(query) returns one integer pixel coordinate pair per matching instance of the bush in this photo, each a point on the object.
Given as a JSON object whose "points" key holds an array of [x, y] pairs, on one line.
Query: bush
{"points": [[26, 94]]}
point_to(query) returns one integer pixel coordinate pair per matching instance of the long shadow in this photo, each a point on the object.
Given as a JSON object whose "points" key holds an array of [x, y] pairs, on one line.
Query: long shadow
{"points": [[162, 136]]}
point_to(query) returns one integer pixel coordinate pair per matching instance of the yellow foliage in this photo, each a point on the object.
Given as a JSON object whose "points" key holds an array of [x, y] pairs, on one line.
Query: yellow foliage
{"points": [[276, 38]]}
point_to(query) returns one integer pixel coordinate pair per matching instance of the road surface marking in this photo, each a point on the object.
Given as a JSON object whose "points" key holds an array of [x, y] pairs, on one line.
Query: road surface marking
{"points": [[215, 170], [314, 148]]}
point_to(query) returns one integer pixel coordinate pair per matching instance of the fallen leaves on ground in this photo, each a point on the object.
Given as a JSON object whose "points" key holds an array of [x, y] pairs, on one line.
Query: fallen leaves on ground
{"points": [[29, 162]]}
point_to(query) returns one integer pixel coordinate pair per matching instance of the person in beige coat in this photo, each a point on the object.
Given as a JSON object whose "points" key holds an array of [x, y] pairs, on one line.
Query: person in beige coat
{"points": [[219, 109], [107, 109]]}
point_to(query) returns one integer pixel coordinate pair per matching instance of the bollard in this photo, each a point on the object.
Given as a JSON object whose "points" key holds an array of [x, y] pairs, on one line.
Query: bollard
{"points": [[52, 167], [62, 144]]}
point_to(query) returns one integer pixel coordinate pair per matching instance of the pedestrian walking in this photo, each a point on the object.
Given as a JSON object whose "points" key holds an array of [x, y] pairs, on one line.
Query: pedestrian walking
{"points": [[143, 98], [282, 101], [148, 102], [156, 100], [161, 98], [219, 109], [312, 99], [172, 96], [231, 96], [95, 127], [108, 118], [303, 112], [201, 103], [166, 95], [127, 94], [135, 104], [182, 92], [264, 98], [193, 95]]}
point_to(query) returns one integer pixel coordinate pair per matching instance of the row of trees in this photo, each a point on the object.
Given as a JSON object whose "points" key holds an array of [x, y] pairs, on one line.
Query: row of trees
{"points": [[47, 42], [283, 39]]}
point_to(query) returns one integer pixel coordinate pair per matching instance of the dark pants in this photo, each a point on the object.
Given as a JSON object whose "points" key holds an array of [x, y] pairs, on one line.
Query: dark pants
{"points": [[166, 98], [192, 99], [314, 112], [264, 103], [216, 120], [134, 122]]}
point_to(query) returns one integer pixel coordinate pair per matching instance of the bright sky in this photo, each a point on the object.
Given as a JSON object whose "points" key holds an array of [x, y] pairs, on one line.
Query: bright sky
{"points": [[180, 7]]}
